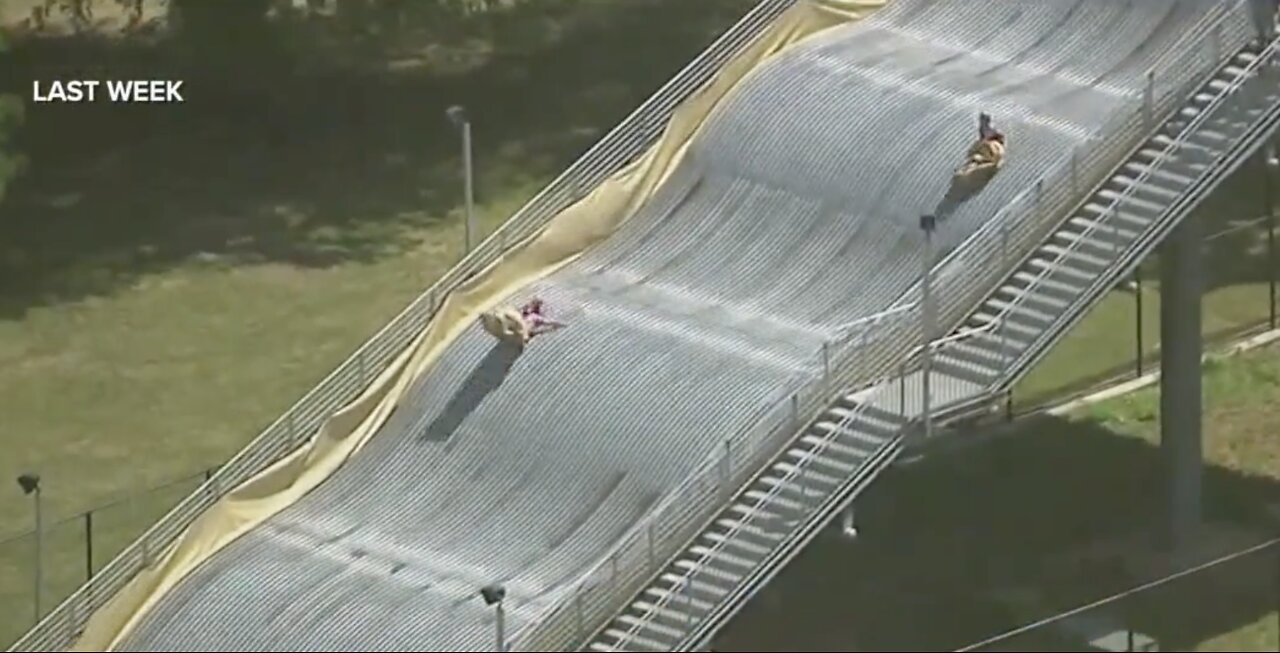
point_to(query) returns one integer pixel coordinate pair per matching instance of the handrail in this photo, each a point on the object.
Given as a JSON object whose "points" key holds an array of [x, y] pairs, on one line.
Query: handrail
{"points": [[1124, 255], [882, 387], [1120, 121], [1108, 214], [1211, 19]]}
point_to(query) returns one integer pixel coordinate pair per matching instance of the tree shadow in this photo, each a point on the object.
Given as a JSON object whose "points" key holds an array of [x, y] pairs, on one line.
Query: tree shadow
{"points": [[488, 374], [275, 161], [944, 543]]}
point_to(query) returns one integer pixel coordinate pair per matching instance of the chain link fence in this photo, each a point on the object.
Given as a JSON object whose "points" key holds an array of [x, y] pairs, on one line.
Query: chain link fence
{"points": [[74, 548]]}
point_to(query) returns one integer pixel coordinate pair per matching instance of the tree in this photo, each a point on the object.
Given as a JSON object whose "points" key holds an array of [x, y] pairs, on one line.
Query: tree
{"points": [[10, 117]]}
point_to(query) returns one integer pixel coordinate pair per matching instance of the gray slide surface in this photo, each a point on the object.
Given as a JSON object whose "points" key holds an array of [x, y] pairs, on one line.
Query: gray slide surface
{"points": [[796, 212]]}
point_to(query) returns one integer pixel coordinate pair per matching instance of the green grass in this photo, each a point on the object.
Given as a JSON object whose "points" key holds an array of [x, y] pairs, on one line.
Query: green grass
{"points": [[171, 281], [1059, 513]]}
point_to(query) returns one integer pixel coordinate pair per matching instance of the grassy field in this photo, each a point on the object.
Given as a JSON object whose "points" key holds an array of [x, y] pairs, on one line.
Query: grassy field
{"points": [[1057, 514], [171, 279]]}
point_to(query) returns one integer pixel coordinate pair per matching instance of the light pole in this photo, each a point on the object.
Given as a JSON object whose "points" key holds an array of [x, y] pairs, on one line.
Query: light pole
{"points": [[458, 116], [493, 595], [928, 224], [30, 484]]}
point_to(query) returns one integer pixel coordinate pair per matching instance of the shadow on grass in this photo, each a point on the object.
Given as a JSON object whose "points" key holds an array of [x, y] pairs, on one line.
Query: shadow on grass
{"points": [[270, 163], [942, 541]]}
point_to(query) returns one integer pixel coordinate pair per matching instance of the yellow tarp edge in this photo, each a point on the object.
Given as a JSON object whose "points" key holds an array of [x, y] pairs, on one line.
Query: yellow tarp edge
{"points": [[585, 223]]}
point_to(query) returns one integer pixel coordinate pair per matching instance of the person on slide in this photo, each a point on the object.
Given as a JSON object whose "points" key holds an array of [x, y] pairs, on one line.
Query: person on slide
{"points": [[518, 326], [986, 155], [536, 320]]}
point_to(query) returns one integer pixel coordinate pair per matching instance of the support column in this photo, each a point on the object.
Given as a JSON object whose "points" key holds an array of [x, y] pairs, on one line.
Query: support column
{"points": [[1181, 283]]}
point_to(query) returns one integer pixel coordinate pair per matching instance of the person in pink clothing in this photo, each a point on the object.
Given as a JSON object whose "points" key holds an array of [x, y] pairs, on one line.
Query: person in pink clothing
{"points": [[536, 319]]}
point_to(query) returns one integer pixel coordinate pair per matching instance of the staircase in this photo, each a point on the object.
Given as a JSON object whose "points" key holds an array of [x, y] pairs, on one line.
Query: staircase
{"points": [[1110, 234], [843, 451]]}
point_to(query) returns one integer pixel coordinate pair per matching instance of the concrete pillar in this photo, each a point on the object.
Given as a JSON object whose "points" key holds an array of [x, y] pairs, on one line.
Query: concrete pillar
{"points": [[1181, 283]]}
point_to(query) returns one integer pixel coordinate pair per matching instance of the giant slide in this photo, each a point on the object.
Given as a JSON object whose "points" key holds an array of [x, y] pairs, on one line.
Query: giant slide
{"points": [[791, 212]]}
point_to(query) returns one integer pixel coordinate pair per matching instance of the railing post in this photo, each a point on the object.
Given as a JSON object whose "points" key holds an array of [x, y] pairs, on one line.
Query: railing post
{"points": [[88, 545], [795, 411], [826, 361], [1216, 43], [362, 364], [1148, 99], [1137, 300], [579, 623], [1075, 164], [726, 467], [649, 536]]}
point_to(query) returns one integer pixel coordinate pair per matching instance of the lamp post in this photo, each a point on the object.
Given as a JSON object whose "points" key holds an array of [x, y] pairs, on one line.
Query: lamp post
{"points": [[458, 116], [30, 484], [928, 224], [493, 595]]}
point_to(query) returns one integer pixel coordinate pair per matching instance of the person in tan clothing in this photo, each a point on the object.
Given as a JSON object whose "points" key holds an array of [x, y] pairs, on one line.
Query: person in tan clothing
{"points": [[987, 154]]}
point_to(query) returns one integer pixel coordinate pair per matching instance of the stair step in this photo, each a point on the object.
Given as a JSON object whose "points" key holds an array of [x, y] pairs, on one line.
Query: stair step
{"points": [[1219, 84], [799, 489], [1036, 283], [1078, 256], [776, 499], [1122, 232], [680, 590], [1168, 143], [854, 426], [822, 462], [1122, 211], [847, 449], [979, 355], [963, 370], [753, 530], [993, 341], [706, 573], [1128, 200], [1037, 301], [661, 630], [747, 548], [982, 318], [636, 640], [598, 645], [659, 592], [1149, 187], [720, 556], [1162, 174], [1062, 268], [669, 614], [1090, 244], [1021, 309], [757, 514]]}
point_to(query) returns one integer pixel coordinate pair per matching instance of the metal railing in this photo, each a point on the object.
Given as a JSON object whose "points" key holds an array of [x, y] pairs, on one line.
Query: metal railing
{"points": [[999, 246], [618, 148], [881, 457], [1128, 256], [993, 251]]}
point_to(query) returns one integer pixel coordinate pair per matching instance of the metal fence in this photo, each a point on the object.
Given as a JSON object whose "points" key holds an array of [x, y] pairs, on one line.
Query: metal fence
{"points": [[854, 356], [71, 550], [1226, 601], [870, 349]]}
